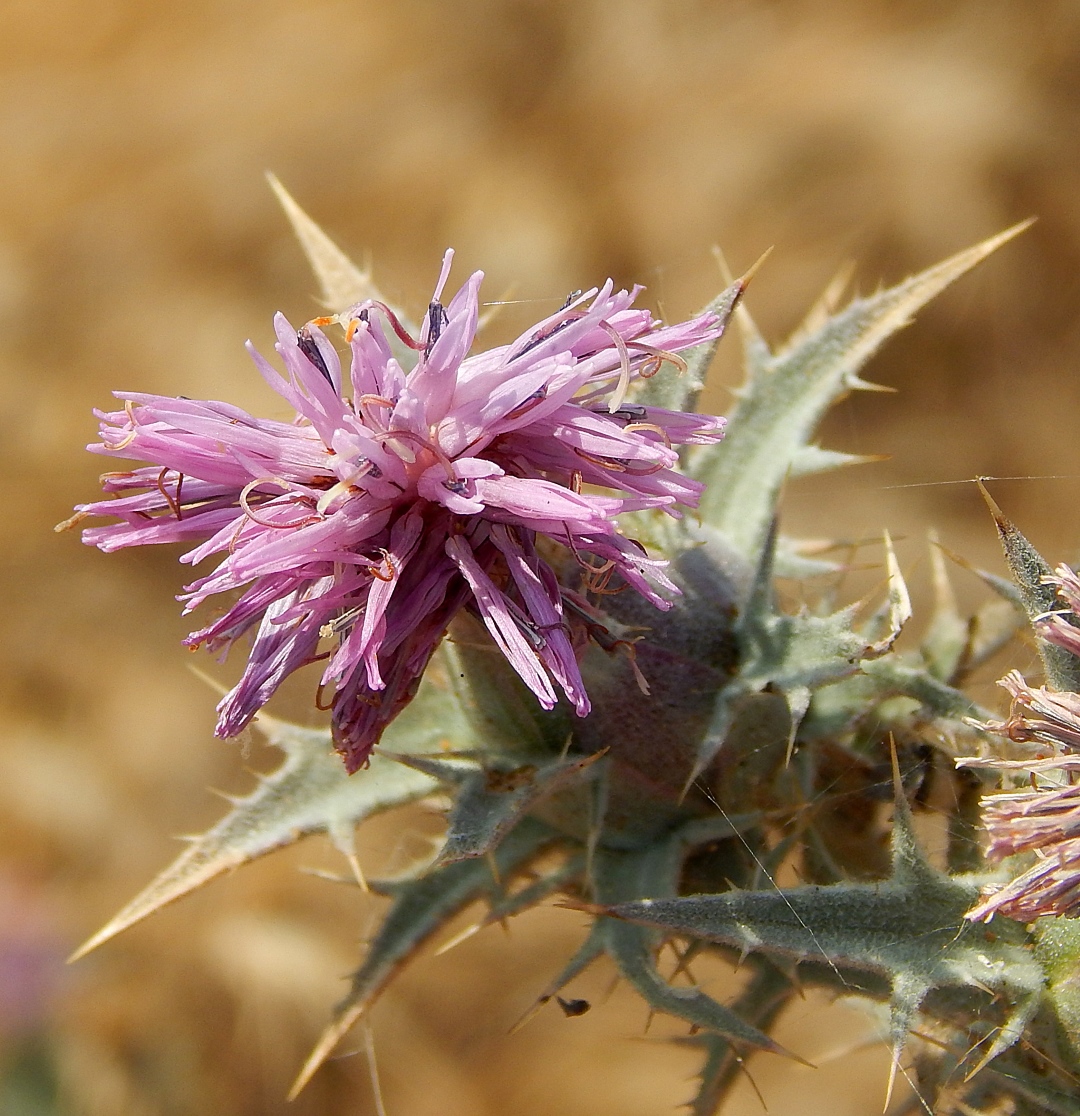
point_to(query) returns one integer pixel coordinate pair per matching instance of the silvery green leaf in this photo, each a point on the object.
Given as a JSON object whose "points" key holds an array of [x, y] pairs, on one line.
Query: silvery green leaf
{"points": [[421, 906], [309, 793], [492, 794], [1029, 569], [503, 715], [947, 639], [910, 928], [648, 871], [787, 393], [901, 676], [811, 459], [795, 559], [680, 391], [343, 283], [760, 1002]]}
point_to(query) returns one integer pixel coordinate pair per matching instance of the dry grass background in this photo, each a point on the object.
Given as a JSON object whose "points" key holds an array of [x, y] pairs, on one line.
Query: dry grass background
{"points": [[553, 143]]}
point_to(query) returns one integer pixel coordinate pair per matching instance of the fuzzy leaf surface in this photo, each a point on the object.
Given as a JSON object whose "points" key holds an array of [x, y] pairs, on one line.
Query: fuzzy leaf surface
{"points": [[422, 905], [492, 795], [766, 994], [655, 870], [909, 928], [787, 393], [343, 283], [680, 392], [309, 793], [1029, 568]]}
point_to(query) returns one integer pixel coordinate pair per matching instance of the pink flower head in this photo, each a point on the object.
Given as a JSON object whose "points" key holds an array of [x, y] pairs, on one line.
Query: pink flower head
{"points": [[1045, 819], [356, 532]]}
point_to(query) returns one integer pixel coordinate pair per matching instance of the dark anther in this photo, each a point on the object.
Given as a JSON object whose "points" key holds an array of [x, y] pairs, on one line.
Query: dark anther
{"points": [[541, 336], [571, 298], [627, 410], [537, 397], [572, 1008], [311, 351], [364, 315], [437, 322], [458, 487]]}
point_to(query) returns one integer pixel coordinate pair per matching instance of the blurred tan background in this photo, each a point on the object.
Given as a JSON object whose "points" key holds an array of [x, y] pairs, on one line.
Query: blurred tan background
{"points": [[553, 144]]}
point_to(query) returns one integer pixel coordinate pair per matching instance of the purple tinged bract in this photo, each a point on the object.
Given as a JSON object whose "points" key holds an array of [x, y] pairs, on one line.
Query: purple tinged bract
{"points": [[356, 532]]}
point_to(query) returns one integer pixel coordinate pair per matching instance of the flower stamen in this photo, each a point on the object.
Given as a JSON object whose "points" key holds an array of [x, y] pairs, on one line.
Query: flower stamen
{"points": [[658, 358], [174, 504], [243, 501], [623, 386]]}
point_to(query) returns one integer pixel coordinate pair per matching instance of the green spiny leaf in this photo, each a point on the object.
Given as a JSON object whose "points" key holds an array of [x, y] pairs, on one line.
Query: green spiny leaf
{"points": [[503, 716], [910, 928], [811, 459], [583, 957], [787, 393], [791, 655], [493, 794], [309, 793], [420, 908], [651, 871], [795, 559], [948, 636], [896, 675], [1058, 950], [343, 283], [1029, 570], [766, 994], [680, 392]]}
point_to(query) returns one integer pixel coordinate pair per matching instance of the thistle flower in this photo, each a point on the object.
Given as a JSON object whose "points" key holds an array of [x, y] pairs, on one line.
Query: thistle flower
{"points": [[357, 531], [1044, 819]]}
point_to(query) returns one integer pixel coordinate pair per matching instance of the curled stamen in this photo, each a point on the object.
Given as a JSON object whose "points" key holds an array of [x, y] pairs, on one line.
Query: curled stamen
{"points": [[174, 504], [623, 386], [391, 568], [647, 471], [132, 434], [659, 358], [395, 323], [608, 565], [373, 400], [432, 447], [243, 501], [610, 463], [597, 583], [630, 427], [319, 698]]}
